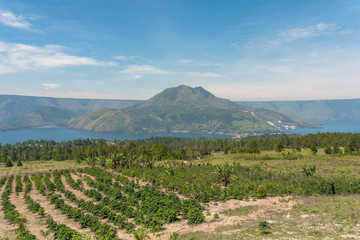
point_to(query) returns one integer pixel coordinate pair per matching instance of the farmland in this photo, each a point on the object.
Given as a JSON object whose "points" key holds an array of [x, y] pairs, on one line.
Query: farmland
{"points": [[248, 192]]}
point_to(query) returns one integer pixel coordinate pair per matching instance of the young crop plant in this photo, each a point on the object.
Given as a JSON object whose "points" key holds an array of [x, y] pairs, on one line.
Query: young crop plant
{"points": [[12, 215], [309, 171], [18, 184], [28, 184]]}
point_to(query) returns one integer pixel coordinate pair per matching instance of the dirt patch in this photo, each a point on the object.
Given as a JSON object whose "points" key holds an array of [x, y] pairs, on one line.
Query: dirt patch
{"points": [[211, 224]]}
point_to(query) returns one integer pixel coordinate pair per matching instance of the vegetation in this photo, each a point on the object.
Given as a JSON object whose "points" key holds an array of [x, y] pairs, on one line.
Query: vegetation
{"points": [[160, 181]]}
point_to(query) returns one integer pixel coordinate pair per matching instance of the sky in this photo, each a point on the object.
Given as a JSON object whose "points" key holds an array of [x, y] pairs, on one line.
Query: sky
{"points": [[255, 50]]}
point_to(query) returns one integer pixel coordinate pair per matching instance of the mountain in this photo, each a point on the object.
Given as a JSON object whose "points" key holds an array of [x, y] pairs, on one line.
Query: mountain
{"points": [[46, 116], [13, 107], [185, 109], [18, 112], [314, 111]]}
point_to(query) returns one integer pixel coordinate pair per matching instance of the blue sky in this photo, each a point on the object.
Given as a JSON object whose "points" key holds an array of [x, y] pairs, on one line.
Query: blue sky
{"points": [[241, 50]]}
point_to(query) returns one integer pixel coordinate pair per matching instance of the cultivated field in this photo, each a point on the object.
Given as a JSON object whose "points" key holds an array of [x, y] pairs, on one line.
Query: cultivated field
{"points": [[92, 203]]}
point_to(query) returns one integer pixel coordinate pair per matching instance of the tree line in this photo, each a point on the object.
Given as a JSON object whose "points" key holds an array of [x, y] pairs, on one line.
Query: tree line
{"points": [[146, 151]]}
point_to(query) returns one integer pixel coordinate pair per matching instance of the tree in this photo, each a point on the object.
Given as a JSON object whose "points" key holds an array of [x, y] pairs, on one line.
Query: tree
{"points": [[117, 159], [336, 149], [19, 163], [254, 147], [313, 149], [225, 172], [4, 154], [101, 160], [8, 162], [279, 147], [327, 149], [90, 161], [350, 147]]}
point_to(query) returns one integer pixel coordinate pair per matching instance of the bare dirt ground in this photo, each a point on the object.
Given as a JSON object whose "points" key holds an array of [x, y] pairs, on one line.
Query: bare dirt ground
{"points": [[210, 224]]}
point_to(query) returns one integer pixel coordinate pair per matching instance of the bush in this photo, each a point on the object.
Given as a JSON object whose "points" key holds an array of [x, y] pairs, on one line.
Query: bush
{"points": [[264, 227], [261, 192]]}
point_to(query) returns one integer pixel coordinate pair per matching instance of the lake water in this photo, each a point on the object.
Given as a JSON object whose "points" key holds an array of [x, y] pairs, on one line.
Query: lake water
{"points": [[346, 127], [64, 134]]}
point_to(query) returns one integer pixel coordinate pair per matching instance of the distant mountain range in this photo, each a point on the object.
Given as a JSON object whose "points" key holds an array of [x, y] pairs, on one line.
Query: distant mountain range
{"points": [[18, 112], [179, 109], [314, 111], [185, 109]]}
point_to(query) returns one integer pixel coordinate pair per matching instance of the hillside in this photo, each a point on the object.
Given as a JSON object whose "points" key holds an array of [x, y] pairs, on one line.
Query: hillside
{"points": [[314, 111], [185, 109], [18, 112], [47, 116], [14, 107]]}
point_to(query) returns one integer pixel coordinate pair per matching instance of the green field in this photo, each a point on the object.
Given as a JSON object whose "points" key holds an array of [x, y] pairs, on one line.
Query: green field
{"points": [[29, 167]]}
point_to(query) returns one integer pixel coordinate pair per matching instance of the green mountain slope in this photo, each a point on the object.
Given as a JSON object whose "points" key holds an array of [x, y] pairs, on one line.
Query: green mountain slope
{"points": [[17, 112], [184, 109], [13, 108], [46, 116]]}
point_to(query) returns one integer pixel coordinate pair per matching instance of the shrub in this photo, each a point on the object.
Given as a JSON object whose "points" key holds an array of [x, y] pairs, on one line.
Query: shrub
{"points": [[264, 227], [261, 192]]}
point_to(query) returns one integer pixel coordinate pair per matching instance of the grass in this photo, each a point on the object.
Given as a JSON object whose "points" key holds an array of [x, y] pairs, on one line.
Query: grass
{"points": [[328, 165], [39, 165], [242, 211], [322, 217]]}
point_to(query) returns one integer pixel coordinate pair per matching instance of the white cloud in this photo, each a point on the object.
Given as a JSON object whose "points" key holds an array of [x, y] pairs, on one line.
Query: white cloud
{"points": [[16, 57], [185, 61], [50, 86], [307, 32], [10, 19], [205, 74], [275, 68], [144, 69], [124, 58]]}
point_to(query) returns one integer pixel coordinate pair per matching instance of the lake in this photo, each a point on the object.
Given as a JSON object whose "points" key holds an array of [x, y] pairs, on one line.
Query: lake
{"points": [[64, 134], [344, 126]]}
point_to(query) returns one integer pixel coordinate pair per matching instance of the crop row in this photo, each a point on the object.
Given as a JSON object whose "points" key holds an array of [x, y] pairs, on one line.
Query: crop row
{"points": [[11, 214], [102, 230]]}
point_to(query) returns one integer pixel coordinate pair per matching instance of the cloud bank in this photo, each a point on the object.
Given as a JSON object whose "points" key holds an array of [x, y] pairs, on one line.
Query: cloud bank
{"points": [[17, 57]]}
